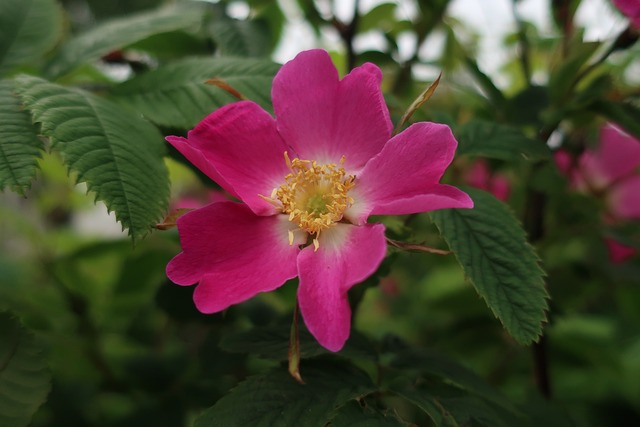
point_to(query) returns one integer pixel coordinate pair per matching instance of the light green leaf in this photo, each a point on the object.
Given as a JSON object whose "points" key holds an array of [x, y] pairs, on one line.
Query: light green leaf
{"points": [[121, 32], [20, 146], [276, 399], [28, 29], [491, 246], [489, 139], [117, 154], [176, 94], [25, 379]]}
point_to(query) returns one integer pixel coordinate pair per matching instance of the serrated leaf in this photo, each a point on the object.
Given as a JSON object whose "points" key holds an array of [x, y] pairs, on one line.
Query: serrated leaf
{"points": [[276, 399], [28, 29], [121, 32], [118, 155], [241, 38], [176, 94], [497, 141], [353, 415], [491, 246], [25, 379], [20, 147]]}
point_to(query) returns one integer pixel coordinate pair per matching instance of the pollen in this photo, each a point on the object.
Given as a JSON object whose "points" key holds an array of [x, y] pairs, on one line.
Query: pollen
{"points": [[314, 196]]}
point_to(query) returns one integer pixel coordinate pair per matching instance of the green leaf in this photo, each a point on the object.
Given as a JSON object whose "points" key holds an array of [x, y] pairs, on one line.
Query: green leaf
{"points": [[28, 29], [562, 78], [176, 94], [624, 114], [491, 246], [241, 38], [20, 147], [449, 406], [118, 155], [276, 399], [272, 342], [488, 139], [25, 379], [120, 32], [354, 415], [451, 372]]}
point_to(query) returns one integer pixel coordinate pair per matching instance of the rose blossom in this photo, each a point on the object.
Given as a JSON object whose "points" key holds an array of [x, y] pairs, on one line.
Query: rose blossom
{"points": [[308, 180]]}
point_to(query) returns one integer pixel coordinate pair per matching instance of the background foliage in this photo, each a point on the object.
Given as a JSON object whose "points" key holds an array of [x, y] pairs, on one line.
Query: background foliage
{"points": [[529, 322]]}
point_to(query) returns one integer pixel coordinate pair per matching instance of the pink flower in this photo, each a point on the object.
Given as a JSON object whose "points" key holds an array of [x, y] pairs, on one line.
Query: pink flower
{"points": [[308, 181], [480, 176], [631, 9], [610, 171]]}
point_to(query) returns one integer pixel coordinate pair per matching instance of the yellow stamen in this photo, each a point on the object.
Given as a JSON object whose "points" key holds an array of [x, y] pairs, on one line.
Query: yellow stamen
{"points": [[314, 196]]}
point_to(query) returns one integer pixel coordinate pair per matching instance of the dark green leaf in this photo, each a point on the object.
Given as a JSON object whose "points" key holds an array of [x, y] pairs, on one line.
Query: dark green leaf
{"points": [[276, 399], [491, 246], [624, 114], [272, 342], [28, 29], [121, 32], [118, 155], [497, 141], [176, 94], [24, 377], [433, 364], [354, 415], [20, 146]]}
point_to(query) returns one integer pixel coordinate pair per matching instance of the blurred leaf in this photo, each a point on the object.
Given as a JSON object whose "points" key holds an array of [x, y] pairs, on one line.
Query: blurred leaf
{"points": [[24, 376], [485, 82], [380, 18], [527, 106], [276, 399], [272, 342], [624, 114], [117, 154], [241, 38], [488, 139], [562, 79], [28, 29], [491, 246], [354, 415], [20, 147], [176, 94], [120, 32], [417, 103]]}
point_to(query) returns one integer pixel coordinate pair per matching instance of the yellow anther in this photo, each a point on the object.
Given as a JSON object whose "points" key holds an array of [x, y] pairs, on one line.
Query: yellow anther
{"points": [[314, 196]]}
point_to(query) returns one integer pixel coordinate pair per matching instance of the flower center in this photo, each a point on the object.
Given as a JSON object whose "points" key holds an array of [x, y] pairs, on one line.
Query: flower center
{"points": [[314, 196]]}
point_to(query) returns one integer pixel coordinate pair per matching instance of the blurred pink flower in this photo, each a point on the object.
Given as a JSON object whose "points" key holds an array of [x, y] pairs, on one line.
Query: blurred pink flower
{"points": [[610, 171], [479, 176], [308, 181], [631, 9]]}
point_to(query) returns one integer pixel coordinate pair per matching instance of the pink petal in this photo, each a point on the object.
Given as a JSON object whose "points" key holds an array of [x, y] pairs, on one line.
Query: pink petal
{"points": [[404, 177], [323, 118], [199, 160], [241, 143], [347, 255], [480, 176], [624, 198], [619, 253], [617, 156], [233, 253]]}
